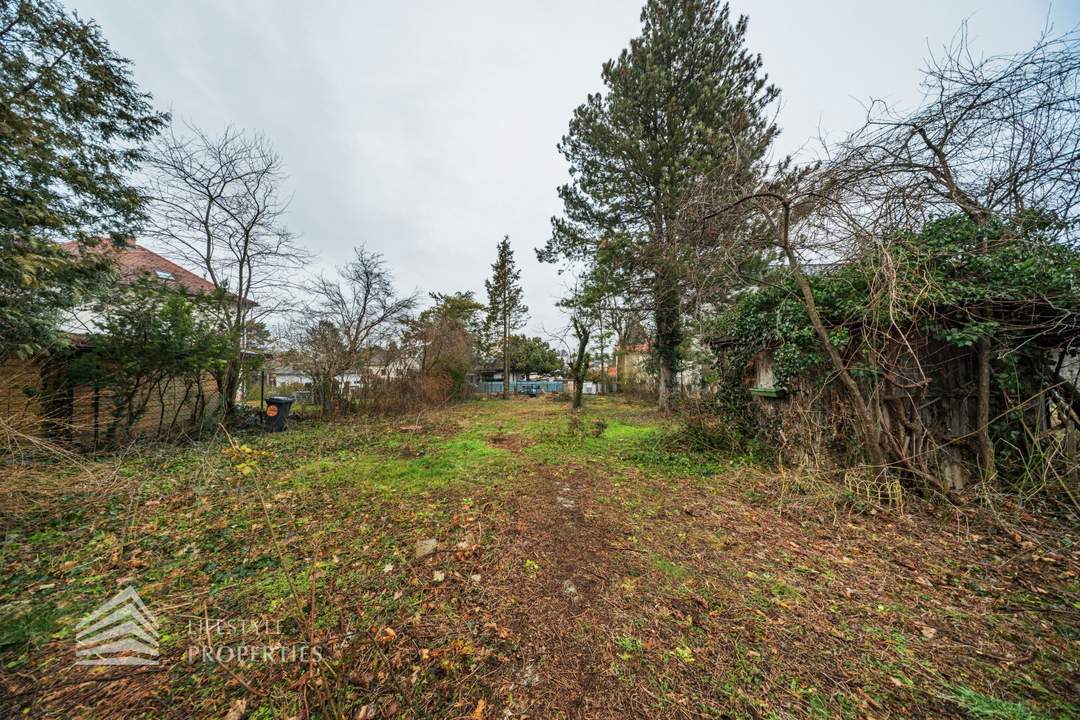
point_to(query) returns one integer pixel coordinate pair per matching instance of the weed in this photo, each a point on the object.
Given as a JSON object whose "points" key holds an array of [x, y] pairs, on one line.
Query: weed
{"points": [[683, 653], [629, 645], [23, 625], [985, 707]]}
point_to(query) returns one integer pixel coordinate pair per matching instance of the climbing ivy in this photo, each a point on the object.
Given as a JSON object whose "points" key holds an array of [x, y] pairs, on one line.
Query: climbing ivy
{"points": [[1024, 282]]}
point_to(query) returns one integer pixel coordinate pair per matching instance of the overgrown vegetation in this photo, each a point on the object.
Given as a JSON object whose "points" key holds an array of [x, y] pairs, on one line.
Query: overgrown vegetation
{"points": [[902, 315], [1011, 283], [153, 341], [669, 578]]}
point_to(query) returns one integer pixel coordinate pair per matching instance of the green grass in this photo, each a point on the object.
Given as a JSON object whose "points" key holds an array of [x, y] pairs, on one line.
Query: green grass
{"points": [[440, 464], [985, 707], [710, 598], [671, 569], [23, 625]]}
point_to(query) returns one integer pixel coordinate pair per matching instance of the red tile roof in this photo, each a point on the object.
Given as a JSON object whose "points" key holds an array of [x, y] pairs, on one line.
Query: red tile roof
{"points": [[135, 261]]}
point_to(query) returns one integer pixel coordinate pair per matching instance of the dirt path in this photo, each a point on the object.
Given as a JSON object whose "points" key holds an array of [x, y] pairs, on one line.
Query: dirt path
{"points": [[557, 607]]}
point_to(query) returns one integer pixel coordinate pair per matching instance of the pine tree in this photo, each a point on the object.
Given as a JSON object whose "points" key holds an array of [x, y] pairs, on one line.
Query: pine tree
{"points": [[506, 311], [685, 103]]}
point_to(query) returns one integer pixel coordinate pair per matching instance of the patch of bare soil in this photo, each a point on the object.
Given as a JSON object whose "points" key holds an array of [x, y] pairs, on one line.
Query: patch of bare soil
{"points": [[511, 442], [549, 580]]}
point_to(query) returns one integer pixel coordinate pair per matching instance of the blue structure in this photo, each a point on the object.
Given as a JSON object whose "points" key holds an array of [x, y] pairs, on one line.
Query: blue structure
{"points": [[521, 387]]}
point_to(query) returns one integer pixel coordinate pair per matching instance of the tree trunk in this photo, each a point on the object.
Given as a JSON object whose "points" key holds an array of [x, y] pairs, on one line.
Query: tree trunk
{"points": [[987, 461], [581, 362], [230, 384], [871, 428], [664, 388], [667, 341], [576, 404], [602, 385], [506, 354]]}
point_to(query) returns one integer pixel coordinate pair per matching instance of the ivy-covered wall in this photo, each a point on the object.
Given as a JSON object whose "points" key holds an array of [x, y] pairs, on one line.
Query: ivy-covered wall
{"points": [[905, 317]]}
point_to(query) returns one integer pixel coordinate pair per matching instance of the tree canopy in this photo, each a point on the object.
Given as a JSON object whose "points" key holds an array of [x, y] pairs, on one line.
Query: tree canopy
{"points": [[72, 126], [685, 102], [533, 356]]}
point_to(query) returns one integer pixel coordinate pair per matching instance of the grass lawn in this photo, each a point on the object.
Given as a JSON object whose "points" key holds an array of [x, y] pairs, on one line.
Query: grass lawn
{"points": [[581, 569]]}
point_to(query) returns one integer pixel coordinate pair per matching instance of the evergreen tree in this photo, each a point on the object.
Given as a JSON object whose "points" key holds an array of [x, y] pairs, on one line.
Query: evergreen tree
{"points": [[685, 103], [532, 355], [506, 311], [72, 124]]}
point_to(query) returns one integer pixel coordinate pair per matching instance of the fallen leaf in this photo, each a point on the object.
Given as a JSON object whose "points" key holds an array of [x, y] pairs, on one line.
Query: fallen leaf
{"points": [[425, 547], [237, 708]]}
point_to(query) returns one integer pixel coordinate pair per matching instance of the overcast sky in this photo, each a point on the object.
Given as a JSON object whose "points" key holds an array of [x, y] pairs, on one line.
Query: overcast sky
{"points": [[427, 130]]}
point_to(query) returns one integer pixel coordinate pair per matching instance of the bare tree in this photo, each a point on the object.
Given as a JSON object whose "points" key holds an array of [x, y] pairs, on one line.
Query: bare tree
{"points": [[582, 329], [442, 340], [348, 319], [216, 206], [574, 338], [583, 304], [993, 137]]}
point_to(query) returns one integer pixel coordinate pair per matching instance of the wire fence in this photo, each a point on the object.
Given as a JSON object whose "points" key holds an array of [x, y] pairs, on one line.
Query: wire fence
{"points": [[521, 387]]}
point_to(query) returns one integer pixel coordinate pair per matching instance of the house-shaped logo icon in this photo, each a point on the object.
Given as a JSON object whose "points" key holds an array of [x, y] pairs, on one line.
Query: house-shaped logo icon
{"points": [[120, 632]]}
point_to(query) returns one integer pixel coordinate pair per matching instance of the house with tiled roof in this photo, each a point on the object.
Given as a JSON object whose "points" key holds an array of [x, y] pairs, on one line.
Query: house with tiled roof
{"points": [[33, 396], [133, 262]]}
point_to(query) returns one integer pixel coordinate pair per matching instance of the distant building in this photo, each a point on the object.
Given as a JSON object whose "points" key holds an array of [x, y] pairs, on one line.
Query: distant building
{"points": [[630, 363]]}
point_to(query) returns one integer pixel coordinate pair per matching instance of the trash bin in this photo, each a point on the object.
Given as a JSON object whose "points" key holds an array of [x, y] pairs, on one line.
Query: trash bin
{"points": [[277, 411]]}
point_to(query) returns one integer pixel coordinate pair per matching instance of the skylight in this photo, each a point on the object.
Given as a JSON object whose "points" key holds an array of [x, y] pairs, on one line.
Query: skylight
{"points": [[164, 275]]}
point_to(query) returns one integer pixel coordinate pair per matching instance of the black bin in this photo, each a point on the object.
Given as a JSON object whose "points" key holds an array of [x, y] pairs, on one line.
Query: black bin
{"points": [[277, 411]]}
